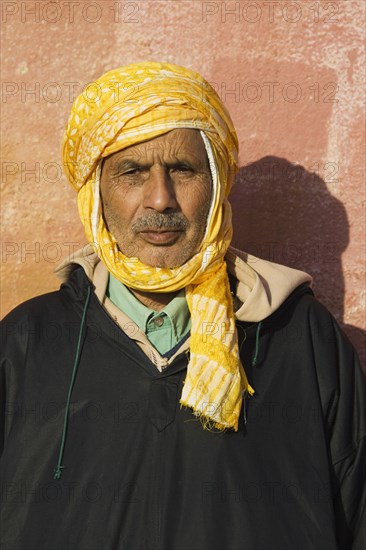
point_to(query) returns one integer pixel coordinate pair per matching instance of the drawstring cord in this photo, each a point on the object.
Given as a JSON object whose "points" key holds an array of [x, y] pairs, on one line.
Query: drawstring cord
{"points": [[254, 360], [59, 467]]}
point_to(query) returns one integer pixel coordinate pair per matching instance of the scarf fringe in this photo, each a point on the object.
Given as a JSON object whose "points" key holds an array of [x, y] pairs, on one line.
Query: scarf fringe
{"points": [[211, 425]]}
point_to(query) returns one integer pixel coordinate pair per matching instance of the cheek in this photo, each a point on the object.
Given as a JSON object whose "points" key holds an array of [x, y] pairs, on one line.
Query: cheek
{"points": [[114, 219], [118, 206], [199, 205], [113, 196], [196, 200]]}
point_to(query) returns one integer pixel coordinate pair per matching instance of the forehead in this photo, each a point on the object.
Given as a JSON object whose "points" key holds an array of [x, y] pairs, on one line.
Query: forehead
{"points": [[181, 142]]}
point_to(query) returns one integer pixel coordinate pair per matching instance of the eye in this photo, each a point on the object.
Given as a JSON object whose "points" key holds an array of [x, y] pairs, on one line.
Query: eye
{"points": [[131, 171], [182, 168]]}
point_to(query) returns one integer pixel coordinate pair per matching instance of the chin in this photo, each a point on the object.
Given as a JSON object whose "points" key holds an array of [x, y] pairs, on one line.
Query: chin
{"points": [[163, 258], [162, 262], [168, 257]]}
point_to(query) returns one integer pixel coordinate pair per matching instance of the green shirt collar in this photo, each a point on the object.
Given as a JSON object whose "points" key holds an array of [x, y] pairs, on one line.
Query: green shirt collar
{"points": [[176, 315]]}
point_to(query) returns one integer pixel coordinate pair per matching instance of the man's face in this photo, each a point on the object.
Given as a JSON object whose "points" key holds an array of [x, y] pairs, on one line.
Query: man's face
{"points": [[156, 197]]}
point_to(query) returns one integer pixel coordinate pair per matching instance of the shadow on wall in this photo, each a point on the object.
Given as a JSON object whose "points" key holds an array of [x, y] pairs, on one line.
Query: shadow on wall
{"points": [[285, 214]]}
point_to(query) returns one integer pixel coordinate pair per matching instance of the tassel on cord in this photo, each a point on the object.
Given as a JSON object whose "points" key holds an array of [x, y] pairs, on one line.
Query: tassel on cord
{"points": [[254, 360], [245, 407], [59, 467]]}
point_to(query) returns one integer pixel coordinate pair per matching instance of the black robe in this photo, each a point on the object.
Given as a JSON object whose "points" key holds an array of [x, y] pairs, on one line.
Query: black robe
{"points": [[141, 473]]}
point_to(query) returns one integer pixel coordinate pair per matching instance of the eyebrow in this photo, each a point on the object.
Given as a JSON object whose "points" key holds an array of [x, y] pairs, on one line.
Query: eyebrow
{"points": [[127, 164]]}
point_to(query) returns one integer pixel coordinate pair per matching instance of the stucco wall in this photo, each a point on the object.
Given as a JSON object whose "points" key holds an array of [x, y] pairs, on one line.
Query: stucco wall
{"points": [[291, 74]]}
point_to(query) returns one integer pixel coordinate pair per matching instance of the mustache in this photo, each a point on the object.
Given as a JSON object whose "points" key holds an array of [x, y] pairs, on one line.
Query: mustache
{"points": [[157, 220]]}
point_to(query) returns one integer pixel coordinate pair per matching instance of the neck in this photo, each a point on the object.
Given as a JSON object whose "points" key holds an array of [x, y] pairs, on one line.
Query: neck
{"points": [[154, 300]]}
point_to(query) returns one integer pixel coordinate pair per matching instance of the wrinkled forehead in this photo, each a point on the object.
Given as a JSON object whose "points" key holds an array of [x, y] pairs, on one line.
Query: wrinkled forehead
{"points": [[183, 145]]}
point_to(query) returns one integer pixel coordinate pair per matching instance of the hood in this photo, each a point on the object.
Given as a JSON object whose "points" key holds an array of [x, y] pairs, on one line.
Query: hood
{"points": [[262, 285], [261, 288]]}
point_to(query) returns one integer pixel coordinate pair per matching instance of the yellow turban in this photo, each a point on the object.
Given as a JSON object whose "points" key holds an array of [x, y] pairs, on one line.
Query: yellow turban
{"points": [[137, 103]]}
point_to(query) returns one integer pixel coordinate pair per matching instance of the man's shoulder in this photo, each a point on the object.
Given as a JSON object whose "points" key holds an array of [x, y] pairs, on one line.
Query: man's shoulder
{"points": [[44, 306], [51, 304], [301, 306], [306, 335], [308, 309]]}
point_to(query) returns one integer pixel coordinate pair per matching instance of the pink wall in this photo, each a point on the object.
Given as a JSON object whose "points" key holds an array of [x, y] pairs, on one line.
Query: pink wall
{"points": [[291, 74]]}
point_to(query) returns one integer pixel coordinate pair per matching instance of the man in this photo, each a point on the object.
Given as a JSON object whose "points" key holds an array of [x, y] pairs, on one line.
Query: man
{"points": [[194, 397]]}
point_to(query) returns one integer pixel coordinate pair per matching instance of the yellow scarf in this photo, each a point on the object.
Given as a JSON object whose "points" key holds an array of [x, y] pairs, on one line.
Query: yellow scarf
{"points": [[137, 103]]}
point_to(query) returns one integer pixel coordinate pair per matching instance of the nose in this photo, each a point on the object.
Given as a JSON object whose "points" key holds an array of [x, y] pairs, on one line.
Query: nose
{"points": [[159, 193]]}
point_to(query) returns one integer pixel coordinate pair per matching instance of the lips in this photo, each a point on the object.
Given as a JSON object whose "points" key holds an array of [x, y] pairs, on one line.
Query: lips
{"points": [[161, 236]]}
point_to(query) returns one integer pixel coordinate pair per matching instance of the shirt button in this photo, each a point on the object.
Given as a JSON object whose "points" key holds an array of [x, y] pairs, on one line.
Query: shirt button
{"points": [[159, 321]]}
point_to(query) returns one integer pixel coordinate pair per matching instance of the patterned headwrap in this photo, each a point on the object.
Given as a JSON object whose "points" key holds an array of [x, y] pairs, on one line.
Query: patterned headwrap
{"points": [[137, 103]]}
